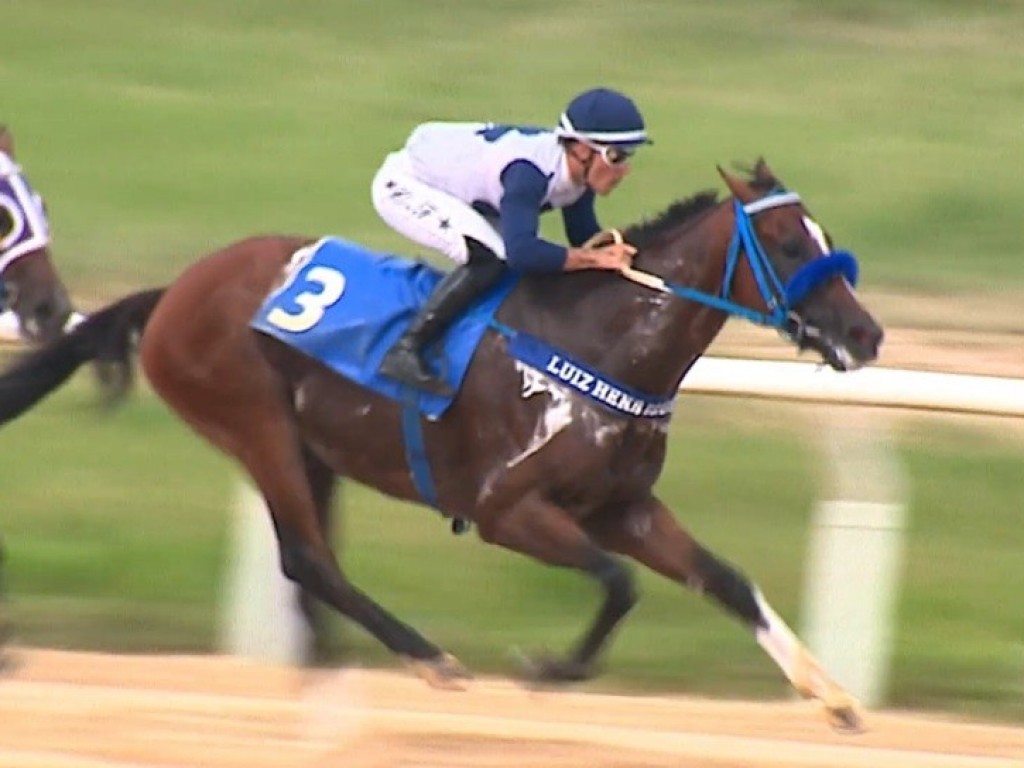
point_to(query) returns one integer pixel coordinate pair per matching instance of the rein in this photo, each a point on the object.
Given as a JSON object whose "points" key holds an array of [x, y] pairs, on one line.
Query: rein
{"points": [[777, 297]]}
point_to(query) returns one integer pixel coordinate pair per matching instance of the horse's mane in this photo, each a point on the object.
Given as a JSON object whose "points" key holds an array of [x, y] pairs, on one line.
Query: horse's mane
{"points": [[647, 232]]}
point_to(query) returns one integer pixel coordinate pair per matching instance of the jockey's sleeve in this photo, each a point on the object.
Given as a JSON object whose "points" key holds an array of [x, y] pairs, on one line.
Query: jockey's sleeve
{"points": [[580, 220], [524, 188]]}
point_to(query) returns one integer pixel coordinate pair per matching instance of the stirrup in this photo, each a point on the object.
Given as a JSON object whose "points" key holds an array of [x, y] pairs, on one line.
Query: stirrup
{"points": [[404, 365]]}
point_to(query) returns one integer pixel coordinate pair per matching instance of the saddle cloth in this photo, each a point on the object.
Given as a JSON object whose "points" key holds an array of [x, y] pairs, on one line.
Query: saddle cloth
{"points": [[345, 305]]}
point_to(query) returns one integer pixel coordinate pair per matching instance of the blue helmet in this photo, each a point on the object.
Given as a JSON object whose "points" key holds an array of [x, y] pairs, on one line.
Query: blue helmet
{"points": [[603, 116]]}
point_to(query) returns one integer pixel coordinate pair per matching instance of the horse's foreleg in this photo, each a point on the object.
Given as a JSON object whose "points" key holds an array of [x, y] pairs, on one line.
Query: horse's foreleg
{"points": [[547, 533], [651, 535]]}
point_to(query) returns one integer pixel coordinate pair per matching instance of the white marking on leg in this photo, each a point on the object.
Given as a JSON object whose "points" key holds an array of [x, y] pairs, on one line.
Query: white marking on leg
{"points": [[803, 671], [777, 639], [74, 320]]}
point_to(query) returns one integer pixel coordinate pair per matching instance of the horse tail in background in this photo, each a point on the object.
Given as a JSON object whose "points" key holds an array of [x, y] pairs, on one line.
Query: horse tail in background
{"points": [[106, 337]]}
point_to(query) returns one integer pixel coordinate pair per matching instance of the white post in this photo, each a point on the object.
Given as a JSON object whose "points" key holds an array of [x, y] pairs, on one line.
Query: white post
{"points": [[855, 555], [261, 617]]}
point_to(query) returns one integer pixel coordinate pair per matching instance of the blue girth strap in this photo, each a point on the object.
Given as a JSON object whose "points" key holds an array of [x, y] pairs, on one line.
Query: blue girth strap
{"points": [[416, 450]]}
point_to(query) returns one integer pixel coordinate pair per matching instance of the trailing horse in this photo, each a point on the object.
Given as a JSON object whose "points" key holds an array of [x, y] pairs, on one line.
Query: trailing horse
{"points": [[34, 304], [30, 287], [557, 434]]}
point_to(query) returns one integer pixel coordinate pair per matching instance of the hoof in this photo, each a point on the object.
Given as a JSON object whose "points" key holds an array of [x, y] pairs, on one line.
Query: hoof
{"points": [[443, 671], [843, 714], [841, 709], [545, 669]]}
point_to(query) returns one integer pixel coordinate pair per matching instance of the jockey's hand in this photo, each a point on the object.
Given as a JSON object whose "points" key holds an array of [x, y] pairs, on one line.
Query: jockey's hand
{"points": [[615, 256]]}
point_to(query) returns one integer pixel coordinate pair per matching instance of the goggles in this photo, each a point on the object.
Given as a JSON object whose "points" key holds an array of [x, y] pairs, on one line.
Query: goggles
{"points": [[612, 154]]}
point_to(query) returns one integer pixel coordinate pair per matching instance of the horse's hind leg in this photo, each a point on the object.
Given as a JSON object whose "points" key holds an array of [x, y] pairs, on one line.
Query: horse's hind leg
{"points": [[651, 535], [276, 463], [248, 415], [323, 484], [548, 533]]}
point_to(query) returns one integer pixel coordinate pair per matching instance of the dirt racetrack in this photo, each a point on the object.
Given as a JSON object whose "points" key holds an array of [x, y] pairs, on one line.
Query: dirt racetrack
{"points": [[75, 710]]}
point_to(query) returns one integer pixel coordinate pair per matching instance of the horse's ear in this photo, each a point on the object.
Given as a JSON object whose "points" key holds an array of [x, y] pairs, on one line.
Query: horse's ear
{"points": [[765, 175], [740, 189], [6, 141]]}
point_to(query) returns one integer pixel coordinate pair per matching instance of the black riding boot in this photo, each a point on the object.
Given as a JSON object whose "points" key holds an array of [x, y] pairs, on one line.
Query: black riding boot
{"points": [[453, 294]]}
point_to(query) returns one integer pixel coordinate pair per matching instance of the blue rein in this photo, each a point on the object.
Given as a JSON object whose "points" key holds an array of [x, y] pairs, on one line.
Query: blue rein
{"points": [[780, 299]]}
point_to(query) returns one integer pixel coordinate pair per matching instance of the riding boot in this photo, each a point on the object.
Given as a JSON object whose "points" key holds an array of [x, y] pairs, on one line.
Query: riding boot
{"points": [[453, 294]]}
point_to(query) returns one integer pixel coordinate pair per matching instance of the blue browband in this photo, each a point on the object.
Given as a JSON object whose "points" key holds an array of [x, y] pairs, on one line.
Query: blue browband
{"points": [[779, 298]]}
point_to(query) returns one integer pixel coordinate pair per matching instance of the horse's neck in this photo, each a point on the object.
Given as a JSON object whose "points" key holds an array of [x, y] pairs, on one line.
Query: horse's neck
{"points": [[641, 337]]}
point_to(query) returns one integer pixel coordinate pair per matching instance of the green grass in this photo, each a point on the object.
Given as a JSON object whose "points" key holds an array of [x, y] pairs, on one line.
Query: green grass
{"points": [[158, 131]]}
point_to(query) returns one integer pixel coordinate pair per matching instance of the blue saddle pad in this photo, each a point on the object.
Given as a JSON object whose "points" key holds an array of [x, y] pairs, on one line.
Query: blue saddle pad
{"points": [[345, 306]]}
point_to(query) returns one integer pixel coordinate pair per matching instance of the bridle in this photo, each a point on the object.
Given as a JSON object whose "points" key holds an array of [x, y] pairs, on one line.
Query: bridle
{"points": [[779, 298]]}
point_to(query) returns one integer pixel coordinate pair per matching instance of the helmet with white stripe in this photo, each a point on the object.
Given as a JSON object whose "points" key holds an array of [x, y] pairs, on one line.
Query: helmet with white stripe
{"points": [[603, 116]]}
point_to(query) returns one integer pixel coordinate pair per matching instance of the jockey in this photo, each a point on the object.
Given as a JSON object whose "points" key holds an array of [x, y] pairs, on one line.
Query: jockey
{"points": [[475, 192]]}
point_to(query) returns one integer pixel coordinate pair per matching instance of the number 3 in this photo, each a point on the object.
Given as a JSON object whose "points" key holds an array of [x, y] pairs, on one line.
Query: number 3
{"points": [[331, 284]]}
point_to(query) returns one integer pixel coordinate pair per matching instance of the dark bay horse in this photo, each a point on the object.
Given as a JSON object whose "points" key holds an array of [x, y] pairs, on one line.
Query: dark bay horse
{"points": [[31, 292], [30, 287], [540, 469]]}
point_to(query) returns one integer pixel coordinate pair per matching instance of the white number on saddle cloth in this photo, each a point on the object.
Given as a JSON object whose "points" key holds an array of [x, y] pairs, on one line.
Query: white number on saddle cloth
{"points": [[328, 284]]}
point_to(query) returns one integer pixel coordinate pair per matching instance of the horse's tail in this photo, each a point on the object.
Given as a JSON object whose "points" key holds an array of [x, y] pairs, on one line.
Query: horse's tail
{"points": [[106, 336]]}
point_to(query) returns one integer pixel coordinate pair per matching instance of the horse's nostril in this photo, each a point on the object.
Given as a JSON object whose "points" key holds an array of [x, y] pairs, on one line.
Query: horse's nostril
{"points": [[867, 339]]}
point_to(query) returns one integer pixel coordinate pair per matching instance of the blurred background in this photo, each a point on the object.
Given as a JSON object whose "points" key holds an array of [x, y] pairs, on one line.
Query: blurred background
{"points": [[159, 131]]}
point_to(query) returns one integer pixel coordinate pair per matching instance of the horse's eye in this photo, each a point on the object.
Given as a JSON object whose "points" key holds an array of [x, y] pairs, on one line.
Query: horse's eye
{"points": [[792, 249]]}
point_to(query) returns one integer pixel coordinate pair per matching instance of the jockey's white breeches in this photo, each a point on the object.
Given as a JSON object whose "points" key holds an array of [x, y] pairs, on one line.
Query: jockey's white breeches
{"points": [[429, 216]]}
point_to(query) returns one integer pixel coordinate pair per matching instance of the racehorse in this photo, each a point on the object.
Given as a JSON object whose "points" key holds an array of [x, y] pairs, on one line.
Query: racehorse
{"points": [[31, 292], [30, 287], [541, 465]]}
